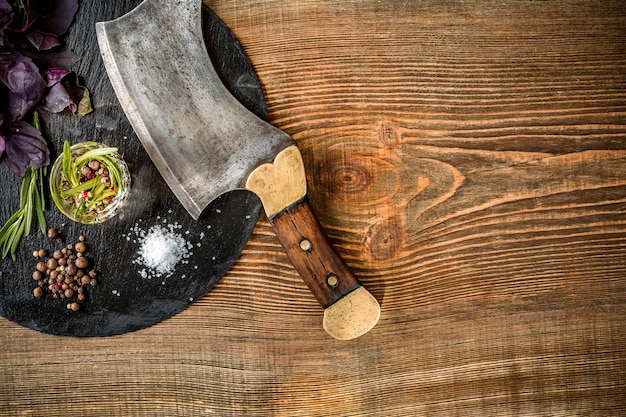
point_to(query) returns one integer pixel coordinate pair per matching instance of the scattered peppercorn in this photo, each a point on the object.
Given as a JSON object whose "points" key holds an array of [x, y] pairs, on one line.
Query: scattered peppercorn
{"points": [[81, 262], [64, 273], [52, 264], [53, 233], [80, 247]]}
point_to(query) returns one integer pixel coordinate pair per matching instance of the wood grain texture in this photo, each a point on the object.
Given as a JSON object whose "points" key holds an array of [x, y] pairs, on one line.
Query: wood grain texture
{"points": [[468, 161]]}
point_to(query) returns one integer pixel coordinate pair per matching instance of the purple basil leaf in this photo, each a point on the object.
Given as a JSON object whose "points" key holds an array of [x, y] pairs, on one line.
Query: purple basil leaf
{"points": [[81, 99], [57, 99], [54, 75], [49, 42], [57, 16], [60, 57], [24, 147], [41, 41], [20, 74], [6, 15], [18, 108]]}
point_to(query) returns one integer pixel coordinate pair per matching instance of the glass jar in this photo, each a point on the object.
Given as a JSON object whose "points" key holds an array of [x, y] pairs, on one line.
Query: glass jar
{"points": [[83, 206]]}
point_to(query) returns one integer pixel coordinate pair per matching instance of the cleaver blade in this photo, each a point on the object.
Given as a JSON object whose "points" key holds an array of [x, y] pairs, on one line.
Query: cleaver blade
{"points": [[205, 143]]}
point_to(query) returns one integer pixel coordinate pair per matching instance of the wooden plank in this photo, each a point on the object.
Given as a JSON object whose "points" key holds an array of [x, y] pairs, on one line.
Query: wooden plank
{"points": [[468, 162]]}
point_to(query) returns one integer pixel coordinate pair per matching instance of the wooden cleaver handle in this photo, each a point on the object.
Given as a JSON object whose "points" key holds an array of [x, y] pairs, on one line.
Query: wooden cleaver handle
{"points": [[322, 269], [349, 309]]}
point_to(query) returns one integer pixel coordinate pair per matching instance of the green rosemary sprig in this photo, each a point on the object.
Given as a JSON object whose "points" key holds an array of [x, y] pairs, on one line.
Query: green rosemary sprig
{"points": [[31, 203]]}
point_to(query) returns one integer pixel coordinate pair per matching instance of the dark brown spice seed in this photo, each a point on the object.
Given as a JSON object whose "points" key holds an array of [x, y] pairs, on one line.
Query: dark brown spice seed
{"points": [[53, 233], [80, 247], [81, 262], [41, 266], [70, 269]]}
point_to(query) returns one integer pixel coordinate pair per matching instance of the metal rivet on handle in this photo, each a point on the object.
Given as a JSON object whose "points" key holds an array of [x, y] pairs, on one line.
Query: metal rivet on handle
{"points": [[306, 245], [332, 280]]}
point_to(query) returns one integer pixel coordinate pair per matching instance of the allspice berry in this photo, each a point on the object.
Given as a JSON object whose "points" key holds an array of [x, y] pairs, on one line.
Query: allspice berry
{"points": [[52, 263], [80, 247], [52, 233], [64, 273], [81, 262]]}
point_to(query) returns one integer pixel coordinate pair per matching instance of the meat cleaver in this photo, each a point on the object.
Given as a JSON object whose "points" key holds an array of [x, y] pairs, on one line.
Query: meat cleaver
{"points": [[205, 143]]}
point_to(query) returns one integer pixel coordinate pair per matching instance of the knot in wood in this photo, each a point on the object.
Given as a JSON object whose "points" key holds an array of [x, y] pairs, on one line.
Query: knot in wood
{"points": [[349, 179]]}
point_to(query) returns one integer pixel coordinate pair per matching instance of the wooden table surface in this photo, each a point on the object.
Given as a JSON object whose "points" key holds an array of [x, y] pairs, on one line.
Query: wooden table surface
{"points": [[468, 160]]}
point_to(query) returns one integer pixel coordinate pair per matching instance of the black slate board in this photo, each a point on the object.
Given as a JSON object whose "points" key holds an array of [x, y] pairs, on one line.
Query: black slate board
{"points": [[124, 300]]}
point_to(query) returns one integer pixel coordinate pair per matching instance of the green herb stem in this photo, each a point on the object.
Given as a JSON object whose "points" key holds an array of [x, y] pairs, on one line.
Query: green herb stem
{"points": [[31, 203]]}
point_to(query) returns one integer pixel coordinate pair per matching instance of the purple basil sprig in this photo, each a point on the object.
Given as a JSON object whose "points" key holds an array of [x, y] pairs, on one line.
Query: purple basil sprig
{"points": [[35, 75]]}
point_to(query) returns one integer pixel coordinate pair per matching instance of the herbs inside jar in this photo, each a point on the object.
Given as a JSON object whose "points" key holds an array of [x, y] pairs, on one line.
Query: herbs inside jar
{"points": [[89, 182]]}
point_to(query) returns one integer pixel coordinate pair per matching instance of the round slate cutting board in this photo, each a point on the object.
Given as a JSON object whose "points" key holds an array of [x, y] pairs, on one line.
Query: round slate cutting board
{"points": [[130, 296]]}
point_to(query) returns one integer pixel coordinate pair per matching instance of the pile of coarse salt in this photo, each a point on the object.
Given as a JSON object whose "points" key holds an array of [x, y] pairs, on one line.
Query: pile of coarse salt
{"points": [[161, 248]]}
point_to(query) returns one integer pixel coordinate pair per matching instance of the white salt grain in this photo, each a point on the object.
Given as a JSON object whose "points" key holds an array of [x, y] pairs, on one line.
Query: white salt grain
{"points": [[161, 250]]}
